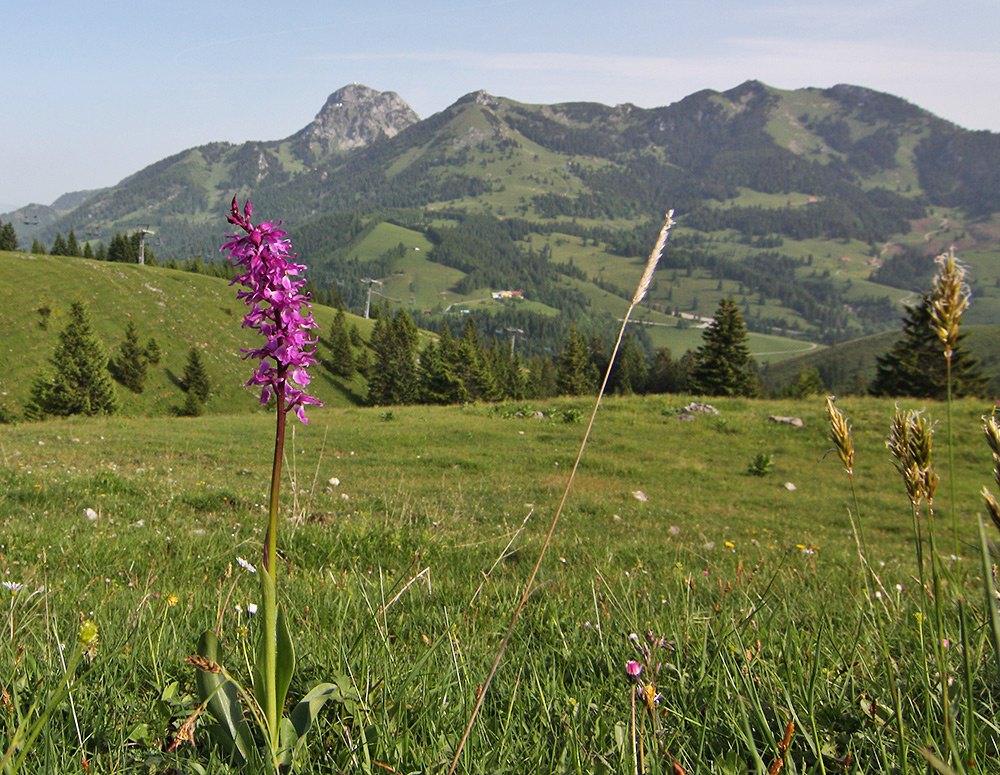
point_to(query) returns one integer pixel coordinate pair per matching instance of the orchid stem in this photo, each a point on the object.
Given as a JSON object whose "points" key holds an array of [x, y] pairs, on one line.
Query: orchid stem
{"points": [[269, 579]]}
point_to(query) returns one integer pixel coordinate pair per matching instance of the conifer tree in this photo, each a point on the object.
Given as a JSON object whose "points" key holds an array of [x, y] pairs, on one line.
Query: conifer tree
{"points": [[341, 356], [510, 376], [72, 246], [466, 357], [152, 352], [129, 365], [38, 248], [8, 237], [118, 249], [81, 383], [722, 365], [667, 375], [915, 365], [575, 373], [630, 372], [393, 377], [195, 380], [439, 384], [58, 246], [542, 378]]}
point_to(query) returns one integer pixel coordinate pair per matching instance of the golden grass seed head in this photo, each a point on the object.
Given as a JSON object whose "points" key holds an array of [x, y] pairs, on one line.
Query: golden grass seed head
{"points": [[840, 433], [654, 258], [910, 442], [949, 300], [992, 430], [992, 507]]}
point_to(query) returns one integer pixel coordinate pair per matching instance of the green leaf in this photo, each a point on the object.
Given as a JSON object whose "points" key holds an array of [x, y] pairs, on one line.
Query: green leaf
{"points": [[285, 660], [289, 743], [222, 697], [308, 707]]}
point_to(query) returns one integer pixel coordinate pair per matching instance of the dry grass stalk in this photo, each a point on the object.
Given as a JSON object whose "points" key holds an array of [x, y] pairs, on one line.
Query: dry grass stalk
{"points": [[640, 292], [654, 259], [186, 733], [949, 300], [786, 741]]}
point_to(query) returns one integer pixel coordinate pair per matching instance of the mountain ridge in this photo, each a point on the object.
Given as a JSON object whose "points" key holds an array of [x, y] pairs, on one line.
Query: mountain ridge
{"points": [[775, 192]]}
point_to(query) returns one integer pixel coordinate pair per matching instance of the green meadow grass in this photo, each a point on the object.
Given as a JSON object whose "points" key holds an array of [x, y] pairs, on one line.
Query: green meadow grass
{"points": [[409, 534], [179, 309]]}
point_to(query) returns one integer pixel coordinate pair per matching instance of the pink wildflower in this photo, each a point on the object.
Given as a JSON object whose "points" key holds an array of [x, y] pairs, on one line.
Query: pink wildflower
{"points": [[276, 303], [633, 668]]}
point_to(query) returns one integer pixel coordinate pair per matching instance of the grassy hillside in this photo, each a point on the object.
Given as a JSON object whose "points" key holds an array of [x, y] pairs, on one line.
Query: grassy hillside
{"points": [[179, 309], [841, 364]]}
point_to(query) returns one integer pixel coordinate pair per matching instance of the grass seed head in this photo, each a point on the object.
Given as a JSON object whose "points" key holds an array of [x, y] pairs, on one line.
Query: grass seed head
{"points": [[204, 664], [654, 258], [992, 430], [949, 300], [992, 507], [910, 442], [840, 433]]}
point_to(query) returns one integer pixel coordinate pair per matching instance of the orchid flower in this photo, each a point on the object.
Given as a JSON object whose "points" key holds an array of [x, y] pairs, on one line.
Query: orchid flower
{"points": [[272, 285]]}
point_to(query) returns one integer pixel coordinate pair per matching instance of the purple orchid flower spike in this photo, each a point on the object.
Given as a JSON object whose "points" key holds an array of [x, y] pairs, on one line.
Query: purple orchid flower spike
{"points": [[272, 286]]}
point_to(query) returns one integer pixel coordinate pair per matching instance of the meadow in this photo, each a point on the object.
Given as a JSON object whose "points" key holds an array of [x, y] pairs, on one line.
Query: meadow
{"points": [[409, 533]]}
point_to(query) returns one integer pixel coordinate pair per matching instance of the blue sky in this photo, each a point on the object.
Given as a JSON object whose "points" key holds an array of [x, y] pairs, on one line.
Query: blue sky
{"points": [[96, 91]]}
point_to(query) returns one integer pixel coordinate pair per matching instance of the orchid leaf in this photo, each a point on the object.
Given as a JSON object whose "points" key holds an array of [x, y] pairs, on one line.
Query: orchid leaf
{"points": [[289, 743], [222, 697], [308, 707], [286, 660]]}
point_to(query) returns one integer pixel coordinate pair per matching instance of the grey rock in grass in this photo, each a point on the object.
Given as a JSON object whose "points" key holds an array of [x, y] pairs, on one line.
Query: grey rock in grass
{"points": [[795, 422]]}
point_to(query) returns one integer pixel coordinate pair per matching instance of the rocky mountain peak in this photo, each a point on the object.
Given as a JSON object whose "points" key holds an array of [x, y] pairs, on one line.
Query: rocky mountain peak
{"points": [[356, 115]]}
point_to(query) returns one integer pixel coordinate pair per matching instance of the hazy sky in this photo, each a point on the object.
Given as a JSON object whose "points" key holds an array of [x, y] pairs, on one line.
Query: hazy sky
{"points": [[93, 92]]}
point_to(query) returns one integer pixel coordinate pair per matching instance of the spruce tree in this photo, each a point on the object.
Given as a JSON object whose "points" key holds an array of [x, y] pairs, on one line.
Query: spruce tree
{"points": [[575, 373], [510, 376], [81, 383], [915, 365], [8, 237], [722, 365], [152, 352], [129, 365], [72, 246], [542, 378], [667, 375], [393, 377], [58, 246], [341, 356], [439, 384], [630, 372], [195, 378]]}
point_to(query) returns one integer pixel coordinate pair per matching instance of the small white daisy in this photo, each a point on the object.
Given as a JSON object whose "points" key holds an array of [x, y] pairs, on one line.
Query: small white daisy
{"points": [[245, 565]]}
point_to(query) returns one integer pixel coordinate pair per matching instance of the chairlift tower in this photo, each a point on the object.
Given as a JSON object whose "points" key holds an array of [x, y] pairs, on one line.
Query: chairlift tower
{"points": [[368, 301], [513, 335], [142, 244]]}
